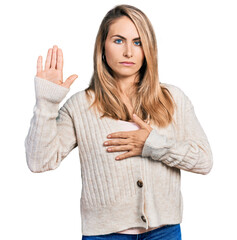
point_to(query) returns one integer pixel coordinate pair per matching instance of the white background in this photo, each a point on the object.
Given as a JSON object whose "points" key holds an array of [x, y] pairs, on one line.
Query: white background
{"points": [[197, 51]]}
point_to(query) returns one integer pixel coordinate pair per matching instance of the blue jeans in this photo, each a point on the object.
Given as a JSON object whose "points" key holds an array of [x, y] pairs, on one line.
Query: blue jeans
{"points": [[167, 232]]}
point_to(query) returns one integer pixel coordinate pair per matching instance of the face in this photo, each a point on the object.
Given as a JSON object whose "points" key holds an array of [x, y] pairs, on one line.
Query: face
{"points": [[123, 50]]}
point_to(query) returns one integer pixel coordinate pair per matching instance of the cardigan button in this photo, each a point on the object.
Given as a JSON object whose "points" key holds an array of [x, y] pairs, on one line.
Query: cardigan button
{"points": [[143, 218], [139, 183]]}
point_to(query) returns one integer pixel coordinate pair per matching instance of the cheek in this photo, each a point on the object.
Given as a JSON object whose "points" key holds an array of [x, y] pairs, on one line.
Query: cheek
{"points": [[110, 53], [112, 58], [138, 53], [141, 55]]}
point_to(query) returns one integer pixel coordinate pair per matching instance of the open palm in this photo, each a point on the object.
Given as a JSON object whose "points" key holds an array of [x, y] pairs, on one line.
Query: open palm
{"points": [[53, 70]]}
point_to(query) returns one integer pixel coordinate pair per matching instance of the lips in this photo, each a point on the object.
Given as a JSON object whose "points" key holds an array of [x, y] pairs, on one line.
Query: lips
{"points": [[127, 63]]}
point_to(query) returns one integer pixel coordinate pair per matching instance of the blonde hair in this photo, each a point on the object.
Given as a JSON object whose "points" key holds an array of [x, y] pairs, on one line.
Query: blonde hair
{"points": [[151, 101]]}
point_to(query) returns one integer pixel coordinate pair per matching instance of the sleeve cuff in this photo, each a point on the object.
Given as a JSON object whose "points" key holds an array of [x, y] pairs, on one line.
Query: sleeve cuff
{"points": [[156, 145], [49, 91]]}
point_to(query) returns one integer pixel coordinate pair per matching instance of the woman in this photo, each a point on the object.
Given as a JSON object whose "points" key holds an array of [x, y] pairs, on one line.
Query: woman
{"points": [[130, 189]]}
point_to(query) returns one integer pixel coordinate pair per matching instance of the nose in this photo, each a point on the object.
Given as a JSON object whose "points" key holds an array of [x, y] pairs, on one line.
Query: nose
{"points": [[128, 50]]}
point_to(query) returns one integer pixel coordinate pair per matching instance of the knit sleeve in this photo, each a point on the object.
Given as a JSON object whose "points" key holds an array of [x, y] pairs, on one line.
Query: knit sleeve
{"points": [[192, 153], [51, 135]]}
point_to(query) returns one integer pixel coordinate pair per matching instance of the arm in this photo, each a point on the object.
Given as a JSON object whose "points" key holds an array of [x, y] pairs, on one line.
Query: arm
{"points": [[51, 135], [192, 154]]}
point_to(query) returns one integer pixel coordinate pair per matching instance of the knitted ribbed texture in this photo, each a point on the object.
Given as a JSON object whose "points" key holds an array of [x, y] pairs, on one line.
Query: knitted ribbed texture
{"points": [[140, 191]]}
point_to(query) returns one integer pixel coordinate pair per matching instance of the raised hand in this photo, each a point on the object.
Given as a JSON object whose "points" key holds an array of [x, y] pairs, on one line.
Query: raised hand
{"points": [[53, 70]]}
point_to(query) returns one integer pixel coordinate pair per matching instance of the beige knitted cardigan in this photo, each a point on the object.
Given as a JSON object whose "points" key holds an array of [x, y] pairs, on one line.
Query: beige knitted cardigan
{"points": [[140, 191]]}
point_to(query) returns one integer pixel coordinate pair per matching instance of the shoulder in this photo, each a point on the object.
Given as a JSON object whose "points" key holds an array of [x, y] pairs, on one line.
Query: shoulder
{"points": [[79, 99], [172, 88], [76, 103], [180, 97], [80, 95]]}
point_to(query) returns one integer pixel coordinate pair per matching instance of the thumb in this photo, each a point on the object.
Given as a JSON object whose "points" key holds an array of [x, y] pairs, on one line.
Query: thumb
{"points": [[70, 80]]}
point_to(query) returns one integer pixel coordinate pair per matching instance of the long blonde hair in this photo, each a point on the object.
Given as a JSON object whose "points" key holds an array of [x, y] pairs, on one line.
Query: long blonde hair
{"points": [[152, 102]]}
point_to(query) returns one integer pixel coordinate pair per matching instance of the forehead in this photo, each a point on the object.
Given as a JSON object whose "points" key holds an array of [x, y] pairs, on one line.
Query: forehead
{"points": [[123, 26]]}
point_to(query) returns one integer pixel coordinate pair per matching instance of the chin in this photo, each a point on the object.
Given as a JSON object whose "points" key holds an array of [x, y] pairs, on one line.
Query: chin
{"points": [[126, 73]]}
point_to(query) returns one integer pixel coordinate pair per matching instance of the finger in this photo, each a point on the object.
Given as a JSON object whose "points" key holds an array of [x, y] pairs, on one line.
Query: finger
{"points": [[48, 59], [117, 142], [60, 60], [119, 149], [54, 57], [39, 65], [122, 134], [125, 155], [139, 121], [69, 81]]}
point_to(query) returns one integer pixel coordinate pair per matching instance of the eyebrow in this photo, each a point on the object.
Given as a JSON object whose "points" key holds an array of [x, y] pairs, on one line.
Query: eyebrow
{"points": [[117, 35]]}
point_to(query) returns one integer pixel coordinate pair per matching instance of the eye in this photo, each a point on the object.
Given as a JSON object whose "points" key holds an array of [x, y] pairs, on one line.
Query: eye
{"points": [[116, 41], [138, 43]]}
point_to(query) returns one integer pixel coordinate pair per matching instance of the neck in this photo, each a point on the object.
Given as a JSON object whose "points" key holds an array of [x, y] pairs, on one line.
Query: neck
{"points": [[126, 86]]}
